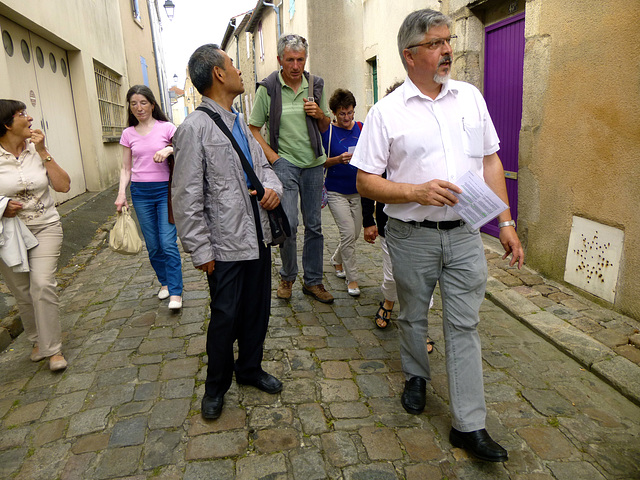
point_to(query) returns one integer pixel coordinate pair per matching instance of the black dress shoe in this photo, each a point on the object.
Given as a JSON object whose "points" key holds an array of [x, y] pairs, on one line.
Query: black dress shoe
{"points": [[265, 382], [212, 407], [414, 396], [479, 444]]}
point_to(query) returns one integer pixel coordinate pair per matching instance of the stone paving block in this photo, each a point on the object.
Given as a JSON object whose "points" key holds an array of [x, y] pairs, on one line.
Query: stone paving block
{"points": [[377, 471], [307, 464], [75, 382], [312, 418], [111, 396], [513, 302], [586, 325], [134, 408], [381, 443], [149, 373], [336, 370], [324, 354], [420, 444], [342, 342], [160, 345], [217, 445], [89, 421], [117, 376], [46, 462], [622, 374], [339, 449], [424, 471], [117, 462], [299, 391], [338, 390], [301, 360], [49, 432], [184, 367], [272, 467], [13, 437], [77, 465], [547, 442], [65, 405], [197, 345], [612, 337], [373, 386], [91, 443], [178, 388], [25, 413], [548, 402], [162, 448], [219, 469], [147, 391], [629, 352], [575, 470], [169, 413], [349, 410], [128, 432], [11, 461], [368, 366], [276, 439], [232, 418]]}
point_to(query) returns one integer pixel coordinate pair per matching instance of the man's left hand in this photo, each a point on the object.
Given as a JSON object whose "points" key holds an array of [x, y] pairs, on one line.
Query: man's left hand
{"points": [[511, 244], [313, 110], [270, 200]]}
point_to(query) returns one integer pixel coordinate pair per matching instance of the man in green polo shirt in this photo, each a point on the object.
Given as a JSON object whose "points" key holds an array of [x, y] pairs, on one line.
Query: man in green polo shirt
{"points": [[286, 101]]}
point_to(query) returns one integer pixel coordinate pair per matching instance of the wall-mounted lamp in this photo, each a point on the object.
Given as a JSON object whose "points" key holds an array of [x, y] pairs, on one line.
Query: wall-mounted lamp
{"points": [[169, 7], [175, 78]]}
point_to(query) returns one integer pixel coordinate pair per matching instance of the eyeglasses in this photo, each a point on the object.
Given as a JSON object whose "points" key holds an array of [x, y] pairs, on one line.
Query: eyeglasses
{"points": [[22, 113], [435, 44], [345, 114]]}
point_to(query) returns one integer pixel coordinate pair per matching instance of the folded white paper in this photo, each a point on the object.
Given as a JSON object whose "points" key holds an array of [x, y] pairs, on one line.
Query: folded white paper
{"points": [[477, 204]]}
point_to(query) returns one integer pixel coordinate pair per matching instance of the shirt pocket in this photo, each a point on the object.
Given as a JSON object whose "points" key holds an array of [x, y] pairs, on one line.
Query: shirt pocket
{"points": [[473, 139]]}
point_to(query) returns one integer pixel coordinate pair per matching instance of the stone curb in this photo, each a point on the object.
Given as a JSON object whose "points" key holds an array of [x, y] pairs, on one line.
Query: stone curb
{"points": [[616, 370]]}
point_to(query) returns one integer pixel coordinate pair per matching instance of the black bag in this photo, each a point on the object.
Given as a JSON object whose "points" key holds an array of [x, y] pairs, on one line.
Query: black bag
{"points": [[280, 228]]}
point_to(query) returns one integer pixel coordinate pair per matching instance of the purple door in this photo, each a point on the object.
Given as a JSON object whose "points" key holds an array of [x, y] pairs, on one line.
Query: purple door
{"points": [[504, 64]]}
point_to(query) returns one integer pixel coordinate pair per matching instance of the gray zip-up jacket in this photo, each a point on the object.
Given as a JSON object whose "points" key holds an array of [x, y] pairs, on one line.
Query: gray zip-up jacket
{"points": [[209, 194]]}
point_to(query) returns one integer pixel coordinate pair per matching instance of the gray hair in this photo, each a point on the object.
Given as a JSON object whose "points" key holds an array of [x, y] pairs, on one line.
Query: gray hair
{"points": [[292, 42], [416, 25], [201, 65]]}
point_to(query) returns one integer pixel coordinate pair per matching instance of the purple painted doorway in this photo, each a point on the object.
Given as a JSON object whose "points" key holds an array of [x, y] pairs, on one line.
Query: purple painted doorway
{"points": [[503, 68]]}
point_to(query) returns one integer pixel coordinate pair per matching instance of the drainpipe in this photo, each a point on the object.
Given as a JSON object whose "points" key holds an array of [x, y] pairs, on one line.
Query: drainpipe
{"points": [[154, 20], [277, 14], [255, 59], [238, 66]]}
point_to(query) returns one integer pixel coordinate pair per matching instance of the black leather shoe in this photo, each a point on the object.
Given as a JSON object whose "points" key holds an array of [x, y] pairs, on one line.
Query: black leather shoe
{"points": [[414, 397], [265, 382], [212, 407], [479, 444]]}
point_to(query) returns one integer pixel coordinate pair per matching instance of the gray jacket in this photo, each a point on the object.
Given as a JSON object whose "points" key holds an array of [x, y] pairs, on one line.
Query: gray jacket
{"points": [[211, 202]]}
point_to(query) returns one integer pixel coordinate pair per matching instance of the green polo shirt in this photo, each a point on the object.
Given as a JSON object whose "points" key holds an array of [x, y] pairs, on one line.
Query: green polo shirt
{"points": [[294, 143]]}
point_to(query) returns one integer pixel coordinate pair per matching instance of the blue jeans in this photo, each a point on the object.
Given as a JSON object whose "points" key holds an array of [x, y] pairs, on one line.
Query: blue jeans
{"points": [[150, 203], [455, 258], [306, 182]]}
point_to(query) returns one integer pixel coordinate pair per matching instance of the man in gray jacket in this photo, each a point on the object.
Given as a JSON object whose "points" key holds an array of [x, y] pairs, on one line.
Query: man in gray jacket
{"points": [[225, 228]]}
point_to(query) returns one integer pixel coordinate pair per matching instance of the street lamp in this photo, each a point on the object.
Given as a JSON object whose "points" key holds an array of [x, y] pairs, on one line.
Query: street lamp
{"points": [[168, 8], [175, 78]]}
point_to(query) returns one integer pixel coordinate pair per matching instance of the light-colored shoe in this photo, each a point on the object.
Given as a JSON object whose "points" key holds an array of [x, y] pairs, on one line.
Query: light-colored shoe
{"points": [[341, 273], [354, 292], [163, 293], [57, 362], [175, 305], [36, 356]]}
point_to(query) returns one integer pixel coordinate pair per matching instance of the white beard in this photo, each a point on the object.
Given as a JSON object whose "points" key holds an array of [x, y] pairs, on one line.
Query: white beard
{"points": [[442, 79]]}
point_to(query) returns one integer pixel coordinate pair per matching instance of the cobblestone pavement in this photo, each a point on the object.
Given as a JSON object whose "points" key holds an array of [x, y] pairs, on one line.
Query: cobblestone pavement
{"points": [[128, 406]]}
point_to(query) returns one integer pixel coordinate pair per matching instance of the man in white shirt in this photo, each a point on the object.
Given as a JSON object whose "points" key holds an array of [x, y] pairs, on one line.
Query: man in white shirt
{"points": [[426, 134]]}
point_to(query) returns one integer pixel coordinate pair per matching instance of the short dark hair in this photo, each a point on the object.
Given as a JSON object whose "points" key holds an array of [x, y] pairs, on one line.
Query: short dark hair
{"points": [[8, 108], [146, 92], [393, 87], [341, 98], [201, 65]]}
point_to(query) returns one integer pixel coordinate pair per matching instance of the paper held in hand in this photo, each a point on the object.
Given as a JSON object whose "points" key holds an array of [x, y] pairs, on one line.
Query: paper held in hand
{"points": [[477, 204]]}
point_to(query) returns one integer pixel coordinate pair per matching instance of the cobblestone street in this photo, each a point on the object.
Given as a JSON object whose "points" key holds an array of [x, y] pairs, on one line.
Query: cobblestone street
{"points": [[561, 399]]}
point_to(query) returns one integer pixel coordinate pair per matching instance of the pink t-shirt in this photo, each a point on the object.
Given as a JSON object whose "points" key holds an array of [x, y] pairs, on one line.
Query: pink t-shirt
{"points": [[143, 168]]}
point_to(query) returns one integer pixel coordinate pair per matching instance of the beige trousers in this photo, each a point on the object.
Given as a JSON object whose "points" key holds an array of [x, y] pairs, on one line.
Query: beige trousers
{"points": [[35, 291]]}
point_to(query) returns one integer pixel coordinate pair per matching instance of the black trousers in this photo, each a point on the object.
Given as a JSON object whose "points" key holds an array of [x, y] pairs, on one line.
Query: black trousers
{"points": [[240, 308]]}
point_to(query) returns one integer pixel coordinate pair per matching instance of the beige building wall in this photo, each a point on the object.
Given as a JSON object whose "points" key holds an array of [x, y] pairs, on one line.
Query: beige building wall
{"points": [[139, 42], [266, 56], [89, 31]]}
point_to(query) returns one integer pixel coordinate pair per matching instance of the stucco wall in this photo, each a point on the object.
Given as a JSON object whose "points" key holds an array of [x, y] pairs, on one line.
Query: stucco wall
{"points": [[580, 144]]}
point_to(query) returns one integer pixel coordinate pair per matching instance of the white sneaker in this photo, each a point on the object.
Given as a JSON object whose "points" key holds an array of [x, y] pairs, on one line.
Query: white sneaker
{"points": [[175, 305], [163, 293]]}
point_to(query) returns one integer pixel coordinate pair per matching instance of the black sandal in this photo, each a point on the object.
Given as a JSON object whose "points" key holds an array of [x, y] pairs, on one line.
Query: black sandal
{"points": [[385, 317], [430, 343]]}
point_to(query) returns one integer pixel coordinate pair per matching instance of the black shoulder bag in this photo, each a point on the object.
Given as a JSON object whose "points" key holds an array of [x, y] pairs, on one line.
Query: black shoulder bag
{"points": [[280, 228]]}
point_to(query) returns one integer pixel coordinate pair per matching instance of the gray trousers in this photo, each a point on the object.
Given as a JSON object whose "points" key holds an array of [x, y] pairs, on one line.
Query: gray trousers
{"points": [[454, 258]]}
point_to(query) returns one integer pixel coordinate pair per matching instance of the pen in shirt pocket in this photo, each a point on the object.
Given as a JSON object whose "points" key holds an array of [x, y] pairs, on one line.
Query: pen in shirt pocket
{"points": [[464, 129]]}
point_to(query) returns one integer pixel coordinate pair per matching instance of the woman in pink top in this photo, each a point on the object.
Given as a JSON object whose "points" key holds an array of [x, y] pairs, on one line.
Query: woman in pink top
{"points": [[147, 144]]}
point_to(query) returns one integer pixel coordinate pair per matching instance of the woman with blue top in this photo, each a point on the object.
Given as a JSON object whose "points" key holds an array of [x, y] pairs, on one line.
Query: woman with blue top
{"points": [[147, 145], [344, 201]]}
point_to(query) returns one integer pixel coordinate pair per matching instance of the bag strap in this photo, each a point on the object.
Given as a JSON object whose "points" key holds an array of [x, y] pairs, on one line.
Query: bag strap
{"points": [[311, 89], [328, 148], [246, 166]]}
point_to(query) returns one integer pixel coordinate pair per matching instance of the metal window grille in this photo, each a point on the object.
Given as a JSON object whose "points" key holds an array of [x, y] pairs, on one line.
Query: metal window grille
{"points": [[112, 109]]}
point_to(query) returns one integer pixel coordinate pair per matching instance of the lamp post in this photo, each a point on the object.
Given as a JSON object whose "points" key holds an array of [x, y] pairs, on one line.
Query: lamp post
{"points": [[169, 7]]}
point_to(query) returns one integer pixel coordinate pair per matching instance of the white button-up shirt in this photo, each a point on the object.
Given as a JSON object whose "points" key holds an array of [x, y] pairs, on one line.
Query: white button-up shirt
{"points": [[417, 139]]}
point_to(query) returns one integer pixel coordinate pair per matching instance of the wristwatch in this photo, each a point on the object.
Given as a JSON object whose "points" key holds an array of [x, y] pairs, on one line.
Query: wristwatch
{"points": [[510, 223]]}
